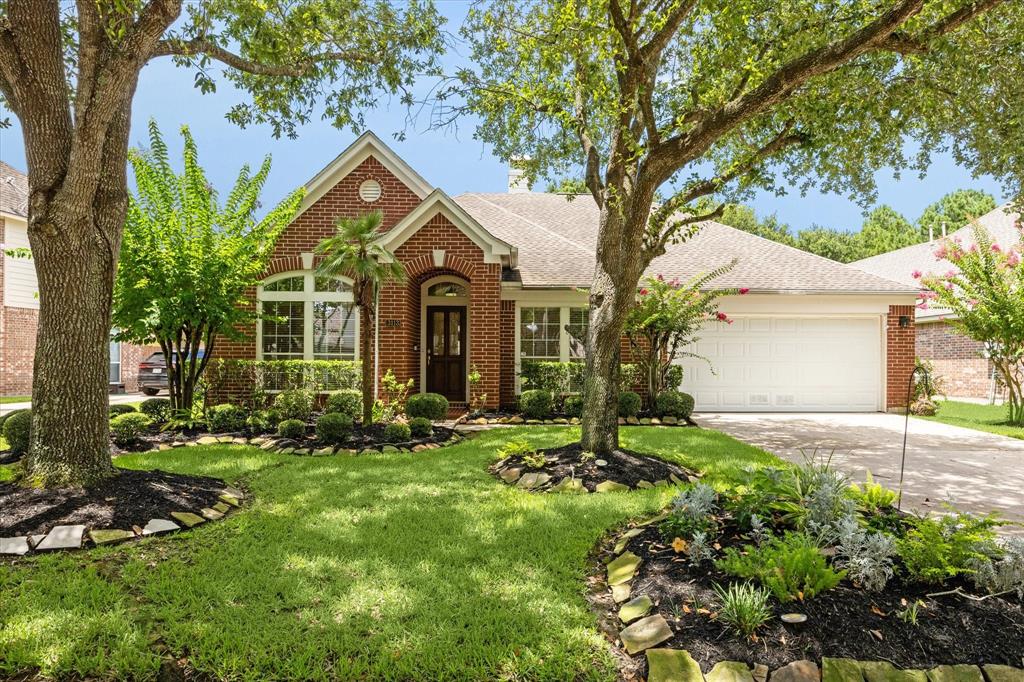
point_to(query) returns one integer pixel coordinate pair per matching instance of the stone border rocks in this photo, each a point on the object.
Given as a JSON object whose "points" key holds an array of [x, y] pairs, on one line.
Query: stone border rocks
{"points": [[519, 420], [287, 446]]}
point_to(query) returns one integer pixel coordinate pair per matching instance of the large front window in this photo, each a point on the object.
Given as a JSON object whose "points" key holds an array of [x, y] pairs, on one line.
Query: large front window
{"points": [[307, 318], [556, 334]]}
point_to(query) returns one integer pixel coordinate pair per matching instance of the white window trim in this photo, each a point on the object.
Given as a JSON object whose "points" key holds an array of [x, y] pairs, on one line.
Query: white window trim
{"points": [[119, 363], [456, 301], [308, 296], [563, 337]]}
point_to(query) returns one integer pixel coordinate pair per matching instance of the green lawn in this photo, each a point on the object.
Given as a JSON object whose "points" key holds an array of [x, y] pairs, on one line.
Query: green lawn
{"points": [[991, 418], [391, 567], [15, 399]]}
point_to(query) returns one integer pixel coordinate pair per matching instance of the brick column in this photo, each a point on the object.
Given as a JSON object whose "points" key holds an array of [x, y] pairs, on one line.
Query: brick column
{"points": [[899, 361]]}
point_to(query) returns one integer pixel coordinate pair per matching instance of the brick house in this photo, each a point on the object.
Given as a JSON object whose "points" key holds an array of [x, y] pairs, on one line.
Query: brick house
{"points": [[958, 360], [19, 304], [494, 279]]}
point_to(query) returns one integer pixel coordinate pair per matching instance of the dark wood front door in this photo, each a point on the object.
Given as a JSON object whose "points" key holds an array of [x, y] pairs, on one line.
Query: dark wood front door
{"points": [[446, 351]]}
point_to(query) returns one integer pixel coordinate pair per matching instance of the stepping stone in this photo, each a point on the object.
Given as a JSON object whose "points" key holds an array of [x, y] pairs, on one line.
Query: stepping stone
{"points": [[208, 440], [955, 673], [211, 514], [229, 499], [729, 671], [62, 537], [620, 592], [841, 670], [642, 484], [157, 526], [797, 671], [188, 518], [610, 487], [110, 536], [635, 608], [672, 665], [1003, 673], [17, 545], [221, 507], [645, 633], [622, 568], [568, 485], [511, 475], [882, 671]]}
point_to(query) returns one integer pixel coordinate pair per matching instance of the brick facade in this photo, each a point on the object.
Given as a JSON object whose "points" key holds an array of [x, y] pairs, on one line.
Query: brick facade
{"points": [[956, 359], [899, 361]]}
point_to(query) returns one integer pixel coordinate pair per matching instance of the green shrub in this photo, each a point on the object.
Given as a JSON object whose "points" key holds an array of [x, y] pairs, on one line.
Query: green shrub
{"points": [[693, 510], [629, 404], [295, 403], [515, 448], [116, 410], [292, 428], [936, 549], [673, 404], [744, 607], [535, 404], [157, 409], [674, 378], [5, 417], [792, 567], [573, 406], [560, 378], [349, 401], [263, 421], [126, 428], [334, 427], [397, 432], [225, 417], [17, 430], [421, 427], [432, 406]]}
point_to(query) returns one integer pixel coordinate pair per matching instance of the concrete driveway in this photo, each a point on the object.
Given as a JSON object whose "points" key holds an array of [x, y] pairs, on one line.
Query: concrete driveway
{"points": [[974, 470]]}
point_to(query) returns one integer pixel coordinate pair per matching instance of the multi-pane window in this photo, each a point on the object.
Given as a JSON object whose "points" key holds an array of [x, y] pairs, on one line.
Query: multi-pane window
{"points": [[579, 320], [308, 318], [115, 361], [334, 330], [539, 333], [283, 336]]}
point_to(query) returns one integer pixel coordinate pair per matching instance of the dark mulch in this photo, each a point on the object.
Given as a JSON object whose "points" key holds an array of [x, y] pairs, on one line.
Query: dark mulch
{"points": [[130, 499], [845, 622], [622, 466]]}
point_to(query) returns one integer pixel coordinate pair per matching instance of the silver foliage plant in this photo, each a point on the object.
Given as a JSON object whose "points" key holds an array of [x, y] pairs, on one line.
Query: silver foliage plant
{"points": [[1005, 574], [699, 549], [696, 503], [866, 556], [759, 530]]}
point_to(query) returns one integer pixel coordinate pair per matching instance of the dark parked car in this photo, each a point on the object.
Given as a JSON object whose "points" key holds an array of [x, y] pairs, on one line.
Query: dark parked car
{"points": [[153, 373]]}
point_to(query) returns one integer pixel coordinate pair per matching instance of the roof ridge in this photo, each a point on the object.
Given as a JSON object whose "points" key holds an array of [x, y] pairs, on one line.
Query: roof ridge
{"points": [[531, 222]]}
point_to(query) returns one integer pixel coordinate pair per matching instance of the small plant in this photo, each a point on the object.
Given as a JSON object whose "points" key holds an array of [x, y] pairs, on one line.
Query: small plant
{"points": [[693, 510], [792, 567], [572, 406], [587, 456], [17, 431], [515, 448], [421, 427], [225, 417], [334, 427], [699, 548], [295, 403], [534, 460], [397, 432], [432, 406], [477, 400], [759, 530], [535, 404], [1003, 574], [873, 498], [867, 557], [348, 401], [396, 394], [294, 429], [263, 421], [673, 404], [629, 404], [157, 409], [937, 549], [125, 429], [116, 410], [909, 614], [744, 607]]}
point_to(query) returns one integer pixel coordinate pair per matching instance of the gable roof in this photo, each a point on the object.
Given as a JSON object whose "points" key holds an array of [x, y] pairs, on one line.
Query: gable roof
{"points": [[557, 240], [900, 264], [13, 191]]}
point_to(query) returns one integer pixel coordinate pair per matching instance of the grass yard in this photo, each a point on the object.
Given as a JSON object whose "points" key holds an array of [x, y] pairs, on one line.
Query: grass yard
{"points": [[991, 418], [14, 399], [387, 567]]}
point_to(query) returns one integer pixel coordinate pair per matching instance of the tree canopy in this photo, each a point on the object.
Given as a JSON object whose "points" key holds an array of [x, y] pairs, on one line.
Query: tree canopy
{"points": [[954, 210]]}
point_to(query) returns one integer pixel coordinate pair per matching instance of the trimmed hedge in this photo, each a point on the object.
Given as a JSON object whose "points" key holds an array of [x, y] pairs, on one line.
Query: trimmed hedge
{"points": [[673, 404], [262, 421], [421, 427], [126, 428], [629, 404], [225, 417], [397, 432], [116, 410], [348, 401], [535, 404], [17, 430], [292, 428], [157, 409], [295, 403], [560, 378], [573, 405], [334, 427], [432, 406], [250, 381], [5, 417]]}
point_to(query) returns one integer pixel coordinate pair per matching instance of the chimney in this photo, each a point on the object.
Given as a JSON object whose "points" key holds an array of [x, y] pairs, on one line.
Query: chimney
{"points": [[931, 233], [943, 229], [517, 182]]}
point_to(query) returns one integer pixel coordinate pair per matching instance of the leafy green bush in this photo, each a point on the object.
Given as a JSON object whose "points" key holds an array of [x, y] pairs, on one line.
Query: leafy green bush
{"points": [[397, 432], [693, 510], [225, 417], [157, 409], [873, 498], [295, 403], [292, 428], [348, 401], [535, 404], [673, 404], [334, 427], [936, 549], [559, 378], [126, 428], [629, 404], [1002, 574], [17, 430], [867, 557], [534, 460], [421, 427], [744, 607], [116, 410], [5, 417], [792, 567], [573, 405], [432, 406], [515, 448], [262, 421], [263, 376]]}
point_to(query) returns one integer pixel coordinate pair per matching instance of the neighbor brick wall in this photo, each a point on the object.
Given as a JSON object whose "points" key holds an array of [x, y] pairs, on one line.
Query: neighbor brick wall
{"points": [[956, 359], [900, 355], [19, 347], [3, 375], [508, 354]]}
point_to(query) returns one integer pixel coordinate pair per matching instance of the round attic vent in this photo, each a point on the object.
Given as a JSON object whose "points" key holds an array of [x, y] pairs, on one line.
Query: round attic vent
{"points": [[369, 191]]}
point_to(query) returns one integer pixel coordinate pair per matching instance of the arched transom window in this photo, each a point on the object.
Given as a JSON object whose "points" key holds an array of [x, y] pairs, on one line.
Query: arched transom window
{"points": [[307, 317]]}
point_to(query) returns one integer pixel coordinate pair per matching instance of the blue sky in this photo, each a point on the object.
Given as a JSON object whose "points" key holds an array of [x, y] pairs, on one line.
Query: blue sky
{"points": [[452, 160]]}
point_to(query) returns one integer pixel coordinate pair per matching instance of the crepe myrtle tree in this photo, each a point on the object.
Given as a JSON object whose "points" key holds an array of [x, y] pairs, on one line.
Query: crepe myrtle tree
{"points": [[68, 72], [984, 293], [719, 98], [186, 260]]}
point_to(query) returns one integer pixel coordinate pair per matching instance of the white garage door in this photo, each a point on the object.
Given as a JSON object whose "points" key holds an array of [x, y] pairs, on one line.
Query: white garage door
{"points": [[759, 364]]}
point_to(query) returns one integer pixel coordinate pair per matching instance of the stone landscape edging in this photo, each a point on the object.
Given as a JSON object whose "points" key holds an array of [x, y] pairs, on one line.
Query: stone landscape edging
{"points": [[288, 446], [519, 420]]}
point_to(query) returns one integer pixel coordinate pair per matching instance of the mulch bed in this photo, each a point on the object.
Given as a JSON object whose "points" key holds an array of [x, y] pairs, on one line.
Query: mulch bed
{"points": [[621, 466], [845, 622], [130, 499]]}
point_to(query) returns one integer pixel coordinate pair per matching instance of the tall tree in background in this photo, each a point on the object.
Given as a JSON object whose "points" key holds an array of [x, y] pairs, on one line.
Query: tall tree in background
{"points": [[954, 210], [885, 229], [710, 97], [68, 72]]}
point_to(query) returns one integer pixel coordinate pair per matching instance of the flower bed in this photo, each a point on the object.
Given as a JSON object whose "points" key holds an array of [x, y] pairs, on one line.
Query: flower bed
{"points": [[517, 419]]}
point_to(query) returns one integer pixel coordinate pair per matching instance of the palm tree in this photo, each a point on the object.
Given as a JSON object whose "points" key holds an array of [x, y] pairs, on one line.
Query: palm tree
{"points": [[355, 252]]}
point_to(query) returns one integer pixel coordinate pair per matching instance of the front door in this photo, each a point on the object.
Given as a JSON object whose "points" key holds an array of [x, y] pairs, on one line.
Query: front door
{"points": [[446, 351]]}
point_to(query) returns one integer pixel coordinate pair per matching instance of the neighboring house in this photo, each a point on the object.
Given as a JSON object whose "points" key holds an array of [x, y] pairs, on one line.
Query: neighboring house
{"points": [[494, 279], [19, 302], [960, 361]]}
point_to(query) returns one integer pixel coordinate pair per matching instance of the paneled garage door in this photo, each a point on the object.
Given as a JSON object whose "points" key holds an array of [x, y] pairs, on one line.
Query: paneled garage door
{"points": [[760, 364]]}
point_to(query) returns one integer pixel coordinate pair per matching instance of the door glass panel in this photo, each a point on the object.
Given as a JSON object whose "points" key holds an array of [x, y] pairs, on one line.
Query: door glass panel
{"points": [[437, 324], [454, 334]]}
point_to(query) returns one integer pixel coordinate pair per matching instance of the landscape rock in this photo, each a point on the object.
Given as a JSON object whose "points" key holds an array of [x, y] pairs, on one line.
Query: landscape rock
{"points": [[226, 439], [678, 481], [34, 540], [16, 545], [729, 671], [208, 440], [955, 673], [672, 665], [621, 592], [632, 421], [635, 608], [516, 419], [188, 518], [645, 633], [797, 671], [511, 475], [670, 420], [62, 537], [655, 421], [211, 514], [644, 484], [841, 670], [646, 421], [323, 452], [569, 485], [221, 507], [533, 480], [229, 499], [110, 536], [157, 526], [1004, 673], [610, 487], [760, 672], [883, 671], [622, 568]]}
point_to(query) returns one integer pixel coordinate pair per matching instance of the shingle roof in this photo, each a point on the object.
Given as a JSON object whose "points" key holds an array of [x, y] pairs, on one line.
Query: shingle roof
{"points": [[899, 265], [13, 191], [556, 239]]}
